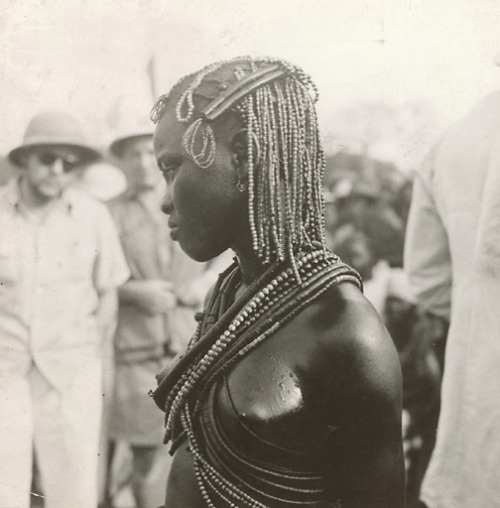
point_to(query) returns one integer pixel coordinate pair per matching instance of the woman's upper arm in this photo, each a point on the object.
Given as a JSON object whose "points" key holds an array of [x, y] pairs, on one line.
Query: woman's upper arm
{"points": [[362, 454]]}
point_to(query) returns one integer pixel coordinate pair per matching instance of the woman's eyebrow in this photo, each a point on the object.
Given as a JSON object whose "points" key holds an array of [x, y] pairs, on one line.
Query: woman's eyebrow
{"points": [[169, 160]]}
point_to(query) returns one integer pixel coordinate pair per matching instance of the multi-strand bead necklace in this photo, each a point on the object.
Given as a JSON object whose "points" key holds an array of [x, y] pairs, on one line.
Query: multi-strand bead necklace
{"points": [[266, 306]]}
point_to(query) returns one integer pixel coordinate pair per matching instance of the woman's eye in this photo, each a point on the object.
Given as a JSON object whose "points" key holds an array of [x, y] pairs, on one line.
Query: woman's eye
{"points": [[168, 171]]}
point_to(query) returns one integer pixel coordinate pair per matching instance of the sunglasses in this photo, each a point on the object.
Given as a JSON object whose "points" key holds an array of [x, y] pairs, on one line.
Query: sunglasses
{"points": [[69, 161]]}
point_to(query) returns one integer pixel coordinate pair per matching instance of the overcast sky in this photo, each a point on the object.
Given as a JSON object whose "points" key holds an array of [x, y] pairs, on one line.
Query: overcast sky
{"points": [[86, 56]]}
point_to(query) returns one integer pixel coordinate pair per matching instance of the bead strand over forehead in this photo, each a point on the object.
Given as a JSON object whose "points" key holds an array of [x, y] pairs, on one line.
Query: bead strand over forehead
{"points": [[285, 157]]}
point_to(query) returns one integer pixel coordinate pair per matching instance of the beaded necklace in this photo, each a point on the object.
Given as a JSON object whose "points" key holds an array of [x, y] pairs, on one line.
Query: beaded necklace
{"points": [[266, 306]]}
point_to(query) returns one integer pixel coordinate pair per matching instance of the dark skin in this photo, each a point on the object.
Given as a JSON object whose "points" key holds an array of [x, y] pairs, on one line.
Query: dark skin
{"points": [[334, 361]]}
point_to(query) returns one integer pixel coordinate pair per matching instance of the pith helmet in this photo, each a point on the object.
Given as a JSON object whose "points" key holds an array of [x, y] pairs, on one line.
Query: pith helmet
{"points": [[138, 128], [117, 146], [54, 128]]}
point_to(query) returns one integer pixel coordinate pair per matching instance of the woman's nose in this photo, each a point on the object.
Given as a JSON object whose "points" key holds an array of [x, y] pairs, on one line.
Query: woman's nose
{"points": [[167, 203]]}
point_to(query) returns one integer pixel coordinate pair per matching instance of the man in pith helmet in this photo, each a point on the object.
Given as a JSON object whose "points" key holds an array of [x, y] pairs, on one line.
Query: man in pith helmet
{"points": [[60, 265]]}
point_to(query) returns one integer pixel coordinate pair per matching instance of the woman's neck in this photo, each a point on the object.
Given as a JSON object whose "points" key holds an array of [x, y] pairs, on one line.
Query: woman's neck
{"points": [[251, 265]]}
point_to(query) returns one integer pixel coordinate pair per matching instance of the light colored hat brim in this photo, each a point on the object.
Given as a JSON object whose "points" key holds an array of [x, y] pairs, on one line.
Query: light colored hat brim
{"points": [[85, 153], [116, 147]]}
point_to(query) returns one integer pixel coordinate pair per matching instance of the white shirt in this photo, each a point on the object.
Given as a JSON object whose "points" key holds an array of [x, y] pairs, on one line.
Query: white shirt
{"points": [[51, 273], [452, 255]]}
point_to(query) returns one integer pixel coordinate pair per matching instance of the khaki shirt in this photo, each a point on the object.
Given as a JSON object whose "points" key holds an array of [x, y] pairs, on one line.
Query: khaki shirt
{"points": [[140, 335], [152, 254]]}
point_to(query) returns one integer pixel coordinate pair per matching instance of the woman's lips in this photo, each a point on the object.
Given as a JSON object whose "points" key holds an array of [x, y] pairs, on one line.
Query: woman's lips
{"points": [[173, 230]]}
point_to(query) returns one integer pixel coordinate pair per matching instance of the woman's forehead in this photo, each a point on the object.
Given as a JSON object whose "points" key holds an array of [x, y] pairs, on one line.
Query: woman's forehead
{"points": [[168, 133]]}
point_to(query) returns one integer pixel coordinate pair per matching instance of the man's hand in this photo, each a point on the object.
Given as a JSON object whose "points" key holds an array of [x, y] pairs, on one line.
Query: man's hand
{"points": [[155, 296]]}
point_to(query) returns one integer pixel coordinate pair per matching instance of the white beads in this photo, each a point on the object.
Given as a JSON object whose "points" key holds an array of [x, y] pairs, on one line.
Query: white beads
{"points": [[285, 158], [201, 151], [283, 291]]}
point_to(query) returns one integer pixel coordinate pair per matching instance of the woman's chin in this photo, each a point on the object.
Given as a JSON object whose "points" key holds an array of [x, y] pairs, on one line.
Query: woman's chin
{"points": [[202, 255]]}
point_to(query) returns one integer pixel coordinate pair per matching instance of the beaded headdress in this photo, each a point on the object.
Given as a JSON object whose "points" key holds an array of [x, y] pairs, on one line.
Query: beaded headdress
{"points": [[275, 101]]}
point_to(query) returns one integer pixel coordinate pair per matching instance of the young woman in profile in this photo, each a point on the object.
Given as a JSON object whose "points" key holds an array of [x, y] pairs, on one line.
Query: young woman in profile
{"points": [[289, 393]]}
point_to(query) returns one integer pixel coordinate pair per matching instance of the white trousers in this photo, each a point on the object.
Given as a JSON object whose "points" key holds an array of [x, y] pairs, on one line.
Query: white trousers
{"points": [[63, 427]]}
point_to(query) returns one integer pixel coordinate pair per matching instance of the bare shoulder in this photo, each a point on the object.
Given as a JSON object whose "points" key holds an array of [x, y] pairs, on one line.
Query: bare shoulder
{"points": [[353, 384], [353, 358], [329, 383], [345, 323]]}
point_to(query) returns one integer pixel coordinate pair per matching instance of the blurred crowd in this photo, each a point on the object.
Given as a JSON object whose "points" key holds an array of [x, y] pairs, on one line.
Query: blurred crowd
{"points": [[367, 204], [95, 299]]}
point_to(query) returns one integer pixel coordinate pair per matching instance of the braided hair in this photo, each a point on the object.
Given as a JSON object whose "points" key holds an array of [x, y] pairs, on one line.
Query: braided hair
{"points": [[275, 101]]}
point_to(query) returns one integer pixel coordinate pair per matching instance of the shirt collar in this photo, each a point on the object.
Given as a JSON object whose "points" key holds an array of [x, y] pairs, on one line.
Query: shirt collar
{"points": [[13, 193]]}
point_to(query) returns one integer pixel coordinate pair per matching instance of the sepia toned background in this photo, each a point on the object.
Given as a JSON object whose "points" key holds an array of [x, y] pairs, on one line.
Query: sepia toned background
{"points": [[410, 67], [393, 75]]}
